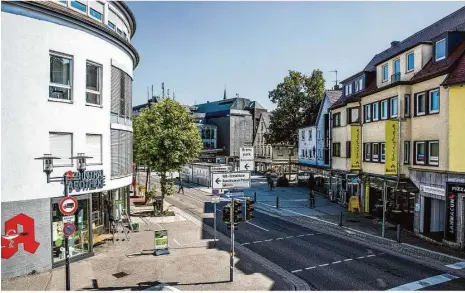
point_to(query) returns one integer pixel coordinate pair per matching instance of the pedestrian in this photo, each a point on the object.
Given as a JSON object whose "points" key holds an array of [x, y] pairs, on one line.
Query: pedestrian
{"points": [[180, 186], [312, 199]]}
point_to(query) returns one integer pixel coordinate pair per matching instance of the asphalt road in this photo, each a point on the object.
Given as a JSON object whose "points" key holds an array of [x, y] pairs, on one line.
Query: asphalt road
{"points": [[325, 262]]}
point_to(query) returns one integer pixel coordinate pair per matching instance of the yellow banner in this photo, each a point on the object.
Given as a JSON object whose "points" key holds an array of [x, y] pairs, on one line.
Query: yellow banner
{"points": [[355, 148], [390, 165], [367, 197]]}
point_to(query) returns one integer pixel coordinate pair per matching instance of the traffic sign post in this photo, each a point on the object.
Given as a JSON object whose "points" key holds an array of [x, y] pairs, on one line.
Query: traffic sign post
{"points": [[246, 159], [215, 200], [68, 205], [69, 229], [231, 180]]}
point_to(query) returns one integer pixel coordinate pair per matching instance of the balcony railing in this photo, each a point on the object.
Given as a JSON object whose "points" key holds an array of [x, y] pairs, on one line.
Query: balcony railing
{"points": [[395, 77]]}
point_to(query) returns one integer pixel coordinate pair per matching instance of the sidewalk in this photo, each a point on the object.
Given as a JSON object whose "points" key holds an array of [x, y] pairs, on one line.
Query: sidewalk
{"points": [[131, 265]]}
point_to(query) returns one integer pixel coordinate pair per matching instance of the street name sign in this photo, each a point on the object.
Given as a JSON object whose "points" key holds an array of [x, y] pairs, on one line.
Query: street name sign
{"points": [[233, 194], [220, 169], [246, 153], [246, 165], [68, 205], [231, 180]]}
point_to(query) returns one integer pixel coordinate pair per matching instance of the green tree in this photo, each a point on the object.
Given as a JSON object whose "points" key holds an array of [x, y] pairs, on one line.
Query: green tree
{"points": [[297, 101], [165, 139]]}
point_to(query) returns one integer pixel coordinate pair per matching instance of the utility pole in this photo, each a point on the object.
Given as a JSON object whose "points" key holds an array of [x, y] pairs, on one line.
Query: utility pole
{"points": [[231, 258], [384, 209]]}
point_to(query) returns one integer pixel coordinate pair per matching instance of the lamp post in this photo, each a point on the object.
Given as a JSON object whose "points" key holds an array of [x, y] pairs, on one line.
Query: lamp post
{"points": [[47, 160]]}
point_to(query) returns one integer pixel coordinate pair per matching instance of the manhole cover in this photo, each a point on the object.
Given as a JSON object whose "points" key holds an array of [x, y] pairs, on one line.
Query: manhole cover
{"points": [[120, 275]]}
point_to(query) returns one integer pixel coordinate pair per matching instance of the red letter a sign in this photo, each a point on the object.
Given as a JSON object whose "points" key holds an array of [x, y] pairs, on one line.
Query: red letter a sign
{"points": [[13, 238]]}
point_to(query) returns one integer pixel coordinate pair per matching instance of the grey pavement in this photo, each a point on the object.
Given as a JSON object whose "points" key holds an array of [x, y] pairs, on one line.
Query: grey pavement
{"points": [[191, 265]]}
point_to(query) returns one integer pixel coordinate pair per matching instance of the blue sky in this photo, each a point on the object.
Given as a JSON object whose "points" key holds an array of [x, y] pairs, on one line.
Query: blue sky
{"points": [[198, 47]]}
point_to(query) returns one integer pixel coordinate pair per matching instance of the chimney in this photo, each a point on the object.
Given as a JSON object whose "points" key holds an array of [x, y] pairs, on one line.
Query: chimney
{"points": [[336, 87], [395, 43]]}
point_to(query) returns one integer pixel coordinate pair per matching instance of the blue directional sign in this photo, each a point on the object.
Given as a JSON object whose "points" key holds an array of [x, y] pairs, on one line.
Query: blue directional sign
{"points": [[69, 229], [234, 193]]}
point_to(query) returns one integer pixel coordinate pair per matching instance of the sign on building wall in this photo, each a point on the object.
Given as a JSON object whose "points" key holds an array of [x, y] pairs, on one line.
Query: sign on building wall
{"points": [[355, 147], [88, 180], [454, 192], [390, 165], [16, 235]]}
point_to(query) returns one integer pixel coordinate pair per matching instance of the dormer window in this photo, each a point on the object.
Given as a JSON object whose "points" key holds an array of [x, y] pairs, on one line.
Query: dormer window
{"points": [[350, 89], [385, 72], [410, 61], [440, 50], [360, 84]]}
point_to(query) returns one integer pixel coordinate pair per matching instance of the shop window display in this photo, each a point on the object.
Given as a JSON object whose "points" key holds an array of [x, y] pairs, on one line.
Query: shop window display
{"points": [[79, 242]]}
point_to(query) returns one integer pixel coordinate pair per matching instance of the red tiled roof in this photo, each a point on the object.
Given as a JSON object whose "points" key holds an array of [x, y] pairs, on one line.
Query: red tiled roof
{"points": [[457, 76]]}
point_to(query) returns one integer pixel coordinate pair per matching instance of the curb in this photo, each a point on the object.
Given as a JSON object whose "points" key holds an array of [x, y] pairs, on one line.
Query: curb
{"points": [[295, 283]]}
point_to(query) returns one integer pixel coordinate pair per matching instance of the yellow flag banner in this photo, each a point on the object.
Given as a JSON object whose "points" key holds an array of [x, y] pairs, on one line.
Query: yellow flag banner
{"points": [[367, 197], [355, 148], [390, 164]]}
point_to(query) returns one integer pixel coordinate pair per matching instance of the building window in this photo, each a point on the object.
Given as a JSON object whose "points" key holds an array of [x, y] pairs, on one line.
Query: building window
{"points": [[385, 72], [60, 86], [396, 75], [336, 149], [407, 105], [394, 107], [420, 153], [61, 145], [375, 111], [121, 153], [309, 134], [354, 116], [111, 25], [384, 109], [350, 89], [421, 104], [64, 3], [368, 113], [79, 6], [367, 151], [96, 10], [303, 135], [356, 87], [407, 152], [433, 153], [337, 119], [410, 61], [375, 152], [360, 84], [383, 151], [93, 83], [434, 101], [94, 149], [347, 90], [121, 93], [440, 50]]}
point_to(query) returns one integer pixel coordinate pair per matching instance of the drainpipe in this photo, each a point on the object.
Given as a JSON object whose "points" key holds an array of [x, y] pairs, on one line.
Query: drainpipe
{"points": [[360, 172]]}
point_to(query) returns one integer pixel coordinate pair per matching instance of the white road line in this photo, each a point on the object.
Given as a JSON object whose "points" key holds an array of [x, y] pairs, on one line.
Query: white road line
{"points": [[257, 241], [289, 237], [258, 227], [176, 242], [335, 262], [247, 243], [268, 240], [310, 234], [382, 253], [360, 257], [457, 266], [310, 268], [323, 265], [425, 283], [371, 255], [311, 217], [300, 235], [348, 259], [280, 238], [296, 271]]}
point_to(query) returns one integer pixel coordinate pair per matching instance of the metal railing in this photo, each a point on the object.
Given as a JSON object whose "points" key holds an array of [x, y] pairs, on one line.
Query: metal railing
{"points": [[395, 77]]}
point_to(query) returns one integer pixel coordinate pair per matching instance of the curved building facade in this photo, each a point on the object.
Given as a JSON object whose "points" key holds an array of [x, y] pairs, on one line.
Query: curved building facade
{"points": [[67, 72]]}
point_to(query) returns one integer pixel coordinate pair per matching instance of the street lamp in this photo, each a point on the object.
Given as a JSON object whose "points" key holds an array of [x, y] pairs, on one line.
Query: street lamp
{"points": [[47, 160]]}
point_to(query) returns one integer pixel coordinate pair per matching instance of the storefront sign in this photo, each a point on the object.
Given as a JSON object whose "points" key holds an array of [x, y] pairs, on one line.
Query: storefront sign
{"points": [[12, 237], [454, 191], [390, 165], [355, 150], [161, 242], [88, 180], [432, 190]]}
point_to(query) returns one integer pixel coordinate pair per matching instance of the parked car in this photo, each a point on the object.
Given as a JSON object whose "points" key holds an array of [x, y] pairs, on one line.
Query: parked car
{"points": [[303, 177]]}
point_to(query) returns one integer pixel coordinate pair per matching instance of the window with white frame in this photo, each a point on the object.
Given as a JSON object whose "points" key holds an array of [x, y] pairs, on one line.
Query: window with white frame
{"points": [[93, 83], [61, 145], [394, 107], [407, 105], [360, 84], [440, 50], [375, 152], [79, 5], [421, 104], [96, 10], [433, 153], [367, 113], [350, 89], [434, 101], [383, 151], [354, 115], [356, 87], [420, 152], [303, 135], [410, 61], [310, 134], [94, 149], [384, 109], [385, 72], [375, 111], [347, 90], [367, 151], [337, 119], [406, 152], [61, 68]]}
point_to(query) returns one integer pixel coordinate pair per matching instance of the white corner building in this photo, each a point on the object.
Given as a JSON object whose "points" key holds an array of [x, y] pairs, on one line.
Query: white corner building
{"points": [[67, 70]]}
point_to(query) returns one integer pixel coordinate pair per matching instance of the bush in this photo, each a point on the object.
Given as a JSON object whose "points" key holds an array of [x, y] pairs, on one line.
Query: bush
{"points": [[282, 182]]}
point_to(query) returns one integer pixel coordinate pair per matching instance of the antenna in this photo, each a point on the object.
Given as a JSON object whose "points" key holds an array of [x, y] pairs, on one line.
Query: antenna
{"points": [[163, 89], [336, 81], [148, 95], [174, 94], [168, 93], [152, 90]]}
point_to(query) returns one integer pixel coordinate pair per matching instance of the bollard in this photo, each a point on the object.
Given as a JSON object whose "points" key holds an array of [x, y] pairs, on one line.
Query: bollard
{"points": [[255, 196], [398, 233], [277, 202], [340, 222]]}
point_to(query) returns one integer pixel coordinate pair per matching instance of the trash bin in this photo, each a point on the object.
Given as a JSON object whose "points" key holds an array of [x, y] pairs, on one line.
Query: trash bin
{"points": [[135, 227]]}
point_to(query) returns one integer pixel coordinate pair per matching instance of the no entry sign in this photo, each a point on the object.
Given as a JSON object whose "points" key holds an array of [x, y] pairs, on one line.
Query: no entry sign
{"points": [[69, 229], [68, 205]]}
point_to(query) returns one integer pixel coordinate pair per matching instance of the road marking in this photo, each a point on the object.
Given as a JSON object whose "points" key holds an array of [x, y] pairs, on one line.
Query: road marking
{"points": [[300, 235], [296, 271], [371, 255], [257, 241], [335, 262], [350, 232], [348, 259], [311, 217], [457, 266], [310, 268], [310, 234], [268, 240], [280, 238], [258, 227], [247, 243], [382, 253], [360, 257], [289, 237], [425, 283], [323, 265], [176, 242]]}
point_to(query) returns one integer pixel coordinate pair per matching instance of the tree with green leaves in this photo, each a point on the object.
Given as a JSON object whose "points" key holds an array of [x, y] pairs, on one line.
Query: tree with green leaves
{"points": [[165, 139], [297, 101]]}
